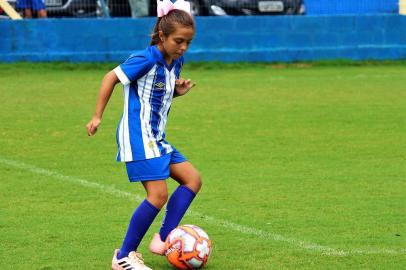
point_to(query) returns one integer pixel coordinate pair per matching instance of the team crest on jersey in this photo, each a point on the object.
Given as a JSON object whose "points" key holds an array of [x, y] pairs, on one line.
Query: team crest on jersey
{"points": [[151, 144], [159, 85]]}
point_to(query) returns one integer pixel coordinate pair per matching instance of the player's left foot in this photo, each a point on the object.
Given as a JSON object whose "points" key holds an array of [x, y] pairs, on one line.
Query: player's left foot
{"points": [[157, 246]]}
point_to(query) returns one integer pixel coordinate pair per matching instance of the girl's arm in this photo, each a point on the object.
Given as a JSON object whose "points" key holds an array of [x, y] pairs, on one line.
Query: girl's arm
{"points": [[106, 88], [183, 86]]}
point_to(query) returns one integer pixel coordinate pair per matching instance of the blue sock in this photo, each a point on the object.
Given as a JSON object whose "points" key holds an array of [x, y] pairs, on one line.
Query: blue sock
{"points": [[141, 220], [176, 208]]}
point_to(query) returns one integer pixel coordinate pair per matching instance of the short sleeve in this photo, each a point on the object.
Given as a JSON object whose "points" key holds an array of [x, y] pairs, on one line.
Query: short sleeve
{"points": [[133, 68]]}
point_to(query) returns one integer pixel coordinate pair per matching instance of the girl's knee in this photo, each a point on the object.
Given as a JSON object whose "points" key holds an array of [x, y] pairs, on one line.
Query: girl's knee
{"points": [[158, 198], [199, 182], [196, 184]]}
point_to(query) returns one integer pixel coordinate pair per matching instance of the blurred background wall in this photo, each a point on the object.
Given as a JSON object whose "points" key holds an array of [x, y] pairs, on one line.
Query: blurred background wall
{"points": [[317, 7], [357, 30]]}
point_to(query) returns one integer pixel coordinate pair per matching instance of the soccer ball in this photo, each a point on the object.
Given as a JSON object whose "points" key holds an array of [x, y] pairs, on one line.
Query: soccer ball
{"points": [[188, 247]]}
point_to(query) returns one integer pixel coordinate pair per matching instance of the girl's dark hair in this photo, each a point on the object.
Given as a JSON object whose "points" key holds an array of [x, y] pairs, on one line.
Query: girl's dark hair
{"points": [[168, 23]]}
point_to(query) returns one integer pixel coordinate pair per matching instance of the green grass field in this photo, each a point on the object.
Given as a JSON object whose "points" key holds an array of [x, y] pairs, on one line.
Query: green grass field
{"points": [[303, 166]]}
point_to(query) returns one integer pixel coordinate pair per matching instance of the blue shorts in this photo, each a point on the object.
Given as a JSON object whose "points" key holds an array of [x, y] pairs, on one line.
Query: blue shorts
{"points": [[33, 4], [154, 168]]}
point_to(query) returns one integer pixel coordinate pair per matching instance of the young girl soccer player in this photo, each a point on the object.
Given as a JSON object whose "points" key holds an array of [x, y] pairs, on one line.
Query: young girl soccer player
{"points": [[151, 79]]}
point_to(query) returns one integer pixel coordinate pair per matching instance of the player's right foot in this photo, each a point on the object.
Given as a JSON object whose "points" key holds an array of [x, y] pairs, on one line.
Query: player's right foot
{"points": [[157, 246], [133, 261]]}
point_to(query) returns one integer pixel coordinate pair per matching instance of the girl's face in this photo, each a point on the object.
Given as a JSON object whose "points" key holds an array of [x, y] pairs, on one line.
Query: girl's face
{"points": [[176, 44]]}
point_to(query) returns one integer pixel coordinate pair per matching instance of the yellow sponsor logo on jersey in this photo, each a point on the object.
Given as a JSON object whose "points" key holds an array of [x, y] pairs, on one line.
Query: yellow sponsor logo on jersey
{"points": [[151, 144]]}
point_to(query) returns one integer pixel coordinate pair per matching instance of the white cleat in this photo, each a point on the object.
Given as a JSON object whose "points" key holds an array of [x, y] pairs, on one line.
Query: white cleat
{"points": [[133, 261], [157, 246]]}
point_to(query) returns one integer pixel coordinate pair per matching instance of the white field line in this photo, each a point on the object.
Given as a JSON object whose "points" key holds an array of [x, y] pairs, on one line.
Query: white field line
{"points": [[211, 220]]}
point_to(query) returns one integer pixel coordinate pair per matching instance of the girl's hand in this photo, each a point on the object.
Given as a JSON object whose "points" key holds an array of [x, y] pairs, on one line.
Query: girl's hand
{"points": [[183, 86], [93, 125]]}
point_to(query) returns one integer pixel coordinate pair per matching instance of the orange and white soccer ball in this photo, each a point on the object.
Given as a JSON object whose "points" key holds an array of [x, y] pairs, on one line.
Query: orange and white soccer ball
{"points": [[188, 247]]}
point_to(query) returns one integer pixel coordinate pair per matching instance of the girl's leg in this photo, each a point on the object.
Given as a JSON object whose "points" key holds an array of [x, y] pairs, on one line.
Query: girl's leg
{"points": [[28, 13], [144, 215], [190, 183]]}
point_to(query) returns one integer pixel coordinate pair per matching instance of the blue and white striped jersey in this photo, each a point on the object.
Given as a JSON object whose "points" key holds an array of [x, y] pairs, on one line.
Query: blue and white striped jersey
{"points": [[149, 85]]}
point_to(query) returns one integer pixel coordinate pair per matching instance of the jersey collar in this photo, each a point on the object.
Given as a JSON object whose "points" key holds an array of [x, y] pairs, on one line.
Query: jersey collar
{"points": [[158, 55]]}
